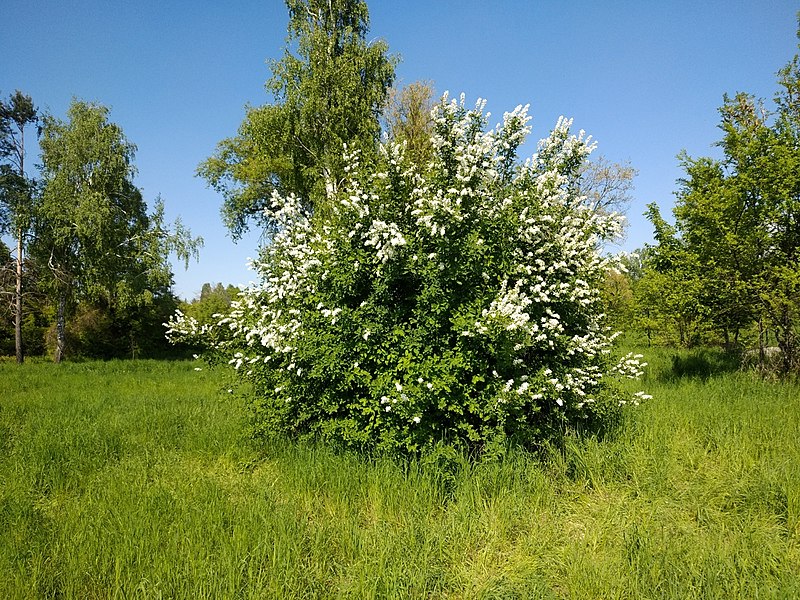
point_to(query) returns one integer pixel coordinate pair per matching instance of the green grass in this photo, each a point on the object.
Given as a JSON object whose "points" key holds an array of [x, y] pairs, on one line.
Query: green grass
{"points": [[137, 480]]}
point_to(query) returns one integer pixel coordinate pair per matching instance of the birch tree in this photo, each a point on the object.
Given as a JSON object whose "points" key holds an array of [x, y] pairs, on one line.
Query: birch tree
{"points": [[16, 192], [94, 231], [328, 91]]}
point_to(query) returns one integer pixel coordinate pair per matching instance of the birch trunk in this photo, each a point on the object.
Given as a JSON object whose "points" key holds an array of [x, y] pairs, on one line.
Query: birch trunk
{"points": [[18, 303], [60, 329]]}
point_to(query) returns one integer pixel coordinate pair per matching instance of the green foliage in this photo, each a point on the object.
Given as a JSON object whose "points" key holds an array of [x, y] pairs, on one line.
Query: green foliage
{"points": [[329, 89], [454, 302], [212, 304], [407, 118], [6, 316], [34, 329], [99, 331], [35, 314], [618, 299], [16, 197], [94, 231], [94, 228], [731, 263], [88, 333]]}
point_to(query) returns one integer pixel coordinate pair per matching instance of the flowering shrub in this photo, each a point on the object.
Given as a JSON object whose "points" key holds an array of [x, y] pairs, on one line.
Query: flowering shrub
{"points": [[455, 303]]}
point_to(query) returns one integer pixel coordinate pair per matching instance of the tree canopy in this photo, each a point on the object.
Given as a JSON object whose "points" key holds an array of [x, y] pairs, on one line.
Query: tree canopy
{"points": [[733, 256], [94, 231], [328, 89]]}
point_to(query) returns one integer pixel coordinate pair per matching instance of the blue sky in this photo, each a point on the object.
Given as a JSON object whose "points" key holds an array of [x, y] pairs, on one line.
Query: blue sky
{"points": [[644, 78]]}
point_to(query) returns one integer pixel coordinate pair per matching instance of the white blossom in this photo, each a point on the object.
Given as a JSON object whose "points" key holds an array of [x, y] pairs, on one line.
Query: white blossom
{"points": [[535, 244]]}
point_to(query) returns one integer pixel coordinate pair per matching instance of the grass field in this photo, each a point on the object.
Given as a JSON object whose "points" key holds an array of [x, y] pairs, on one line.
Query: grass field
{"points": [[137, 480]]}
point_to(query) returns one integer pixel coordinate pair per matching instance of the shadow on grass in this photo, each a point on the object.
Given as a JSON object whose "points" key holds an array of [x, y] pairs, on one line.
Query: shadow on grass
{"points": [[703, 364]]}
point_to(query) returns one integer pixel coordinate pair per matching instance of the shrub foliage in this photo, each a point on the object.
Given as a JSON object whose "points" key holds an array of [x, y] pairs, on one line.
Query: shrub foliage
{"points": [[451, 302]]}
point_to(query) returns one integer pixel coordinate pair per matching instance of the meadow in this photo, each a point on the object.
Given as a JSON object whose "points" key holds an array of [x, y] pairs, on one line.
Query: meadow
{"points": [[138, 479]]}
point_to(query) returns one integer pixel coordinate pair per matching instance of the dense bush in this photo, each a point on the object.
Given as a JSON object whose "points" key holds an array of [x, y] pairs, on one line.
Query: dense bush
{"points": [[99, 332], [454, 303]]}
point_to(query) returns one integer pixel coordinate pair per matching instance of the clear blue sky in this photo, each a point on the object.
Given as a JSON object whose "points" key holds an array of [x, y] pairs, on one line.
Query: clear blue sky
{"points": [[644, 77]]}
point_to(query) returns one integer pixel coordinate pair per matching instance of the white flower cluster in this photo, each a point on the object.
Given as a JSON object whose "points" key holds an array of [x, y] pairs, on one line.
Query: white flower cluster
{"points": [[507, 311], [181, 327], [630, 366], [385, 238]]}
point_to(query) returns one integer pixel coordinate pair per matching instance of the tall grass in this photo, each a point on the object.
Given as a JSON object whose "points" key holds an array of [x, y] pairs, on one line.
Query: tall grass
{"points": [[137, 480]]}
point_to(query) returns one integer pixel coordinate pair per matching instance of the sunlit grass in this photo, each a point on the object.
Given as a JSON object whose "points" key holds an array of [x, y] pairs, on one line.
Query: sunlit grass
{"points": [[137, 480]]}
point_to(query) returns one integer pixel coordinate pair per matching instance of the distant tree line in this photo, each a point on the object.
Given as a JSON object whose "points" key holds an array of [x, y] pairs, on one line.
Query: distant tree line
{"points": [[96, 329]]}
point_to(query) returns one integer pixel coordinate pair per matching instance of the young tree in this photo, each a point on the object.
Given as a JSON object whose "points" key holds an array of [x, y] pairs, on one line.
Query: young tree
{"points": [[717, 233], [328, 97], [16, 191], [737, 222], [408, 119], [93, 228], [673, 283]]}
